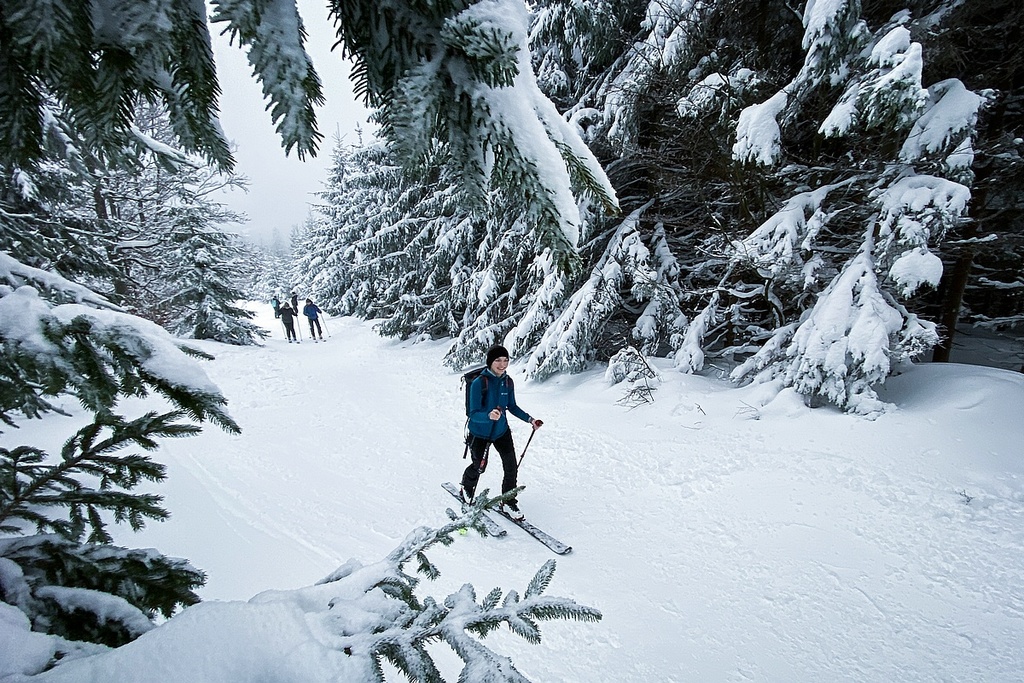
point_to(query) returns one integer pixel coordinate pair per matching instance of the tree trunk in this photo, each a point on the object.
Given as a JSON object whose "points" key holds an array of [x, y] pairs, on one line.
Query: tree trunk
{"points": [[99, 202], [955, 284], [103, 214]]}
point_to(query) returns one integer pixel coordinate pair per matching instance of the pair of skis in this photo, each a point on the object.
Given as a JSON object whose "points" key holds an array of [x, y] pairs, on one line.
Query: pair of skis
{"points": [[495, 529]]}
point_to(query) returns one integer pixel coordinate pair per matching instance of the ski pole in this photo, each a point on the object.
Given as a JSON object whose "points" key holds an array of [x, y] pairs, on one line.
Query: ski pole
{"points": [[285, 329], [323, 321], [526, 446]]}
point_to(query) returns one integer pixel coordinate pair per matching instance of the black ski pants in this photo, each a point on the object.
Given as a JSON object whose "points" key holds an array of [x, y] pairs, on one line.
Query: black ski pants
{"points": [[289, 329], [478, 450], [312, 333]]}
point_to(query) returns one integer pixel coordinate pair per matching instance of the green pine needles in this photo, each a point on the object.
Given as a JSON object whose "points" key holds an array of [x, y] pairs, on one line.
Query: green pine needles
{"points": [[67, 578], [59, 340], [31, 487], [53, 580], [409, 624]]}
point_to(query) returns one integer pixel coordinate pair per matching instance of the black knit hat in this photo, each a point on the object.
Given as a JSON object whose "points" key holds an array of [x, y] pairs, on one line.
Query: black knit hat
{"points": [[496, 352]]}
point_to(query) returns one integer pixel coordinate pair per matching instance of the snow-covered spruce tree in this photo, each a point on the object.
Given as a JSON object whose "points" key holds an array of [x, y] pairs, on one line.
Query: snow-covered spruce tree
{"points": [[178, 267], [856, 331], [204, 277], [402, 247], [727, 116], [391, 244], [139, 206], [362, 186], [627, 274], [850, 339], [60, 340], [337, 220]]}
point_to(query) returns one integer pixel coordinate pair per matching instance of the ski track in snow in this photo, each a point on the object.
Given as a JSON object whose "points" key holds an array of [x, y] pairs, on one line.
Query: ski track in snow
{"points": [[709, 546]]}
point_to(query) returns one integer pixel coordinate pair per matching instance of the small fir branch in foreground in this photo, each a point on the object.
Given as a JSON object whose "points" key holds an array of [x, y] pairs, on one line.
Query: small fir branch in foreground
{"points": [[93, 593], [31, 487], [460, 620]]}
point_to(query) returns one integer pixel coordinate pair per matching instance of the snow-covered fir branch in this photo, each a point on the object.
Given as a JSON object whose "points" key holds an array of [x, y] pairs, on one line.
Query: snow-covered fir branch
{"points": [[343, 627]]}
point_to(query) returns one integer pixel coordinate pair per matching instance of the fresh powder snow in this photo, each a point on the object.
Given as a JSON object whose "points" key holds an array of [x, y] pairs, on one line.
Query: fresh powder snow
{"points": [[723, 538]]}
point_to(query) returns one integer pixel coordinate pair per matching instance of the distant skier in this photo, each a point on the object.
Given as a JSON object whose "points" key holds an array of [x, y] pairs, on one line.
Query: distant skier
{"points": [[295, 303], [312, 311], [490, 395], [288, 320], [275, 303]]}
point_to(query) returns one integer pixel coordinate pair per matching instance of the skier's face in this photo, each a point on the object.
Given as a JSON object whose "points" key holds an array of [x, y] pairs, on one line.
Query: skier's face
{"points": [[499, 365]]}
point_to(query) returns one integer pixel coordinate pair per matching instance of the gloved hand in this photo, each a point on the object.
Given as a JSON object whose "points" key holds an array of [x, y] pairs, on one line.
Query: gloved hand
{"points": [[537, 424]]}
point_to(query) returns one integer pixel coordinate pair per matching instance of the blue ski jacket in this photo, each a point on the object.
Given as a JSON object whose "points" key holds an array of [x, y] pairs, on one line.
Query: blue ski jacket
{"points": [[501, 393], [311, 311]]}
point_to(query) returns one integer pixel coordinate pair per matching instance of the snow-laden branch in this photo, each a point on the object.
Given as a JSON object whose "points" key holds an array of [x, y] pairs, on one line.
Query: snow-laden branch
{"points": [[479, 91], [14, 274], [61, 349], [847, 342], [341, 628], [566, 343]]}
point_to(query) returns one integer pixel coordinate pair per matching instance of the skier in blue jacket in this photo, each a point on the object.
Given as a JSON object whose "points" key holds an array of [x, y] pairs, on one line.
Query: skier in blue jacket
{"points": [[491, 396], [312, 311]]}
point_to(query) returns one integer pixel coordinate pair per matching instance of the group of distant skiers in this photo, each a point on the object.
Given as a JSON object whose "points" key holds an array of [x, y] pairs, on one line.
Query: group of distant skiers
{"points": [[288, 310]]}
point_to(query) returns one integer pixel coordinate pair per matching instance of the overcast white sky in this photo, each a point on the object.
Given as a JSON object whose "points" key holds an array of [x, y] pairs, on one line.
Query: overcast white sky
{"points": [[280, 187]]}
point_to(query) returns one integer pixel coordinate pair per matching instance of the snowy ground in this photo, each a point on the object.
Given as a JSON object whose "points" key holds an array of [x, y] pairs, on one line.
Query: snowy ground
{"points": [[723, 540]]}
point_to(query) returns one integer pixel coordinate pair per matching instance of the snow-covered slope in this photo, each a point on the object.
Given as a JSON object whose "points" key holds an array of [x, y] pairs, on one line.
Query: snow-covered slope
{"points": [[722, 539]]}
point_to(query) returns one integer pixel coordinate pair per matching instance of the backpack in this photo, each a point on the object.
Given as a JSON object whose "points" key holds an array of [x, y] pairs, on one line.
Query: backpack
{"points": [[467, 380]]}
